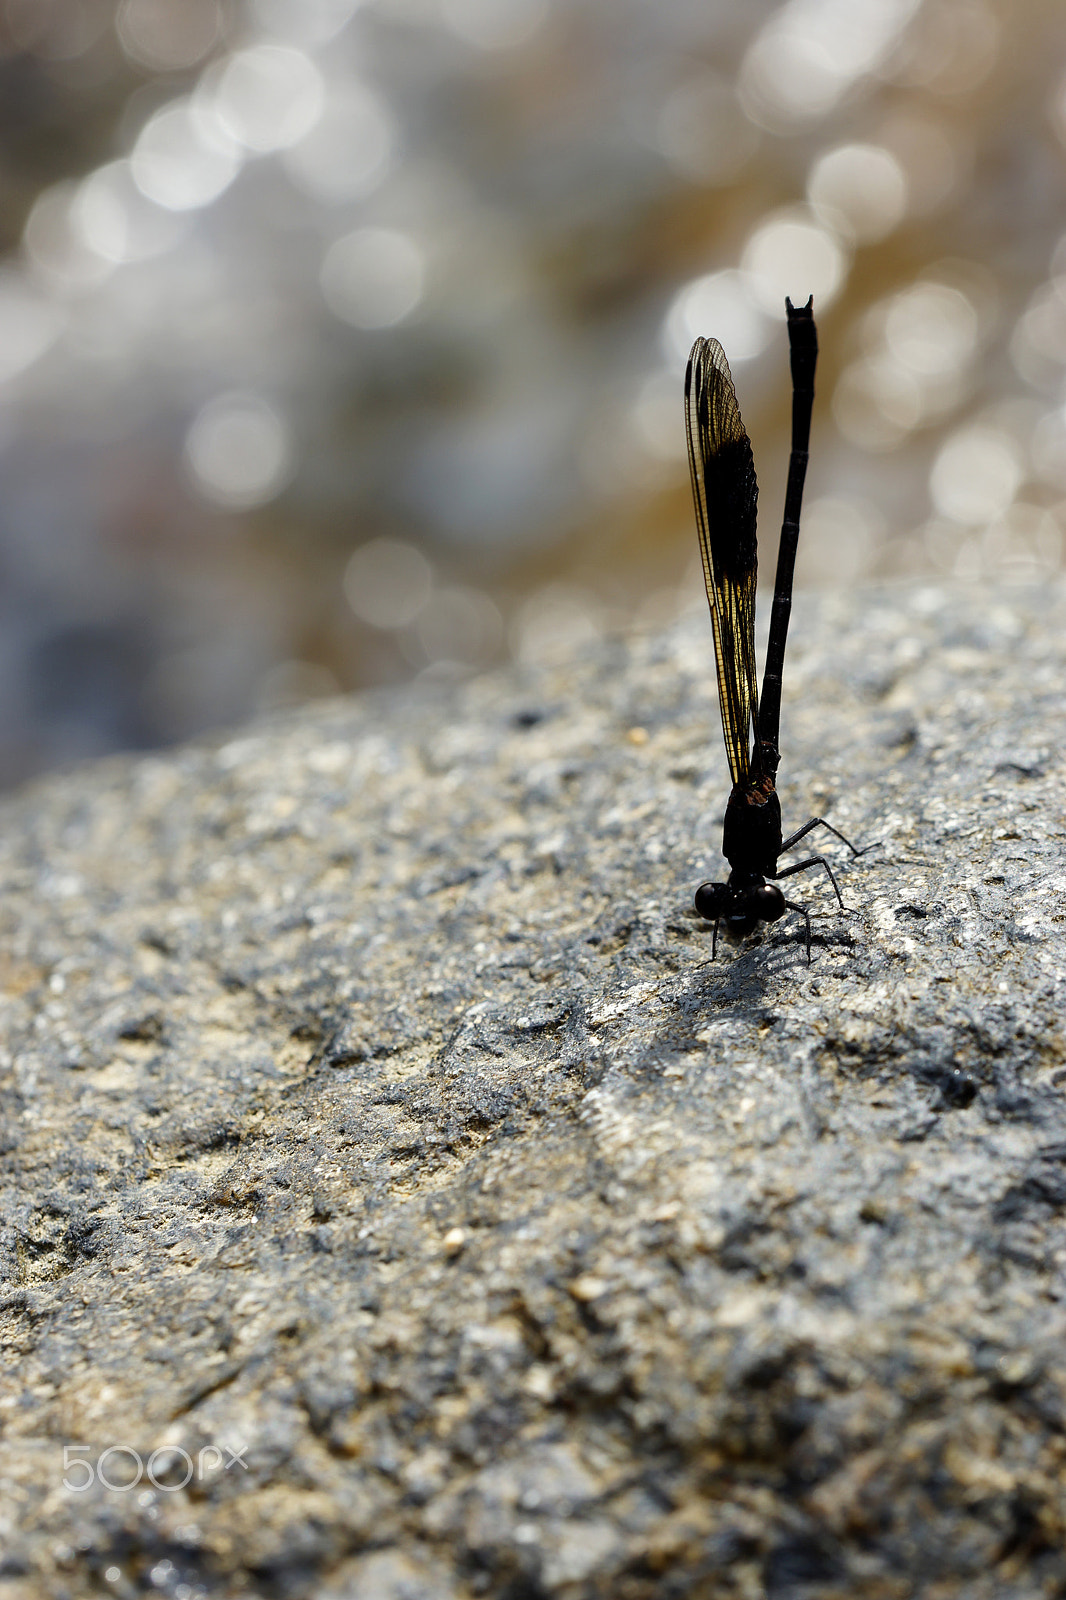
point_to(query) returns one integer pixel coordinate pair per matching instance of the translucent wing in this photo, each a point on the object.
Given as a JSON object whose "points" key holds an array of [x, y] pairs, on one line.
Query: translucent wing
{"points": [[726, 497]]}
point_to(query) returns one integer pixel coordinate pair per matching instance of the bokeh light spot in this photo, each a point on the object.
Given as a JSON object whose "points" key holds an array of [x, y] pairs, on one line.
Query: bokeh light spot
{"points": [[309, 22], [459, 626], [790, 254], [931, 328], [876, 403], [387, 582], [118, 221], [976, 474], [373, 277], [56, 245], [841, 538], [719, 306], [859, 190], [166, 37], [1024, 545], [785, 77], [807, 55], [238, 451], [182, 159], [53, 32], [346, 153], [268, 96], [1038, 343], [951, 49]]}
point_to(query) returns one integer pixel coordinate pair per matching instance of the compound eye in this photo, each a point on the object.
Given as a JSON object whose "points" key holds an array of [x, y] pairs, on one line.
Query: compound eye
{"points": [[768, 903], [709, 900]]}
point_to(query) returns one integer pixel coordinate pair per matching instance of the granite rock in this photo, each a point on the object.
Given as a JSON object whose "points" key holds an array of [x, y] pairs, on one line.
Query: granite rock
{"points": [[384, 1153]]}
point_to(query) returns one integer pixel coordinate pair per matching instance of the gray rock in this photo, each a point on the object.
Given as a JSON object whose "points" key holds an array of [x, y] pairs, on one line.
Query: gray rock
{"points": [[380, 1134]]}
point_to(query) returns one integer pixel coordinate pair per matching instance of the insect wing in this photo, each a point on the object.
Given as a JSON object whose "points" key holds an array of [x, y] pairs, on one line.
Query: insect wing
{"points": [[726, 494]]}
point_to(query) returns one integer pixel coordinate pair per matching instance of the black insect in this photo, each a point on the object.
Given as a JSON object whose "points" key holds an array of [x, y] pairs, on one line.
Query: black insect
{"points": [[726, 496]]}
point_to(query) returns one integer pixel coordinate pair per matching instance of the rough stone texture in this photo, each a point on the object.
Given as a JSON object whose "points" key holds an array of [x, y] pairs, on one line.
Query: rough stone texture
{"points": [[373, 1108]]}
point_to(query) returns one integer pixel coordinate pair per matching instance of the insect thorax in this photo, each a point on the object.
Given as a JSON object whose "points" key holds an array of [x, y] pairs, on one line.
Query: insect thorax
{"points": [[751, 837]]}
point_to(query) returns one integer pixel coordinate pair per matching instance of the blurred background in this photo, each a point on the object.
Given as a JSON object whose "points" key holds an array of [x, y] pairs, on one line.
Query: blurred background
{"points": [[342, 341]]}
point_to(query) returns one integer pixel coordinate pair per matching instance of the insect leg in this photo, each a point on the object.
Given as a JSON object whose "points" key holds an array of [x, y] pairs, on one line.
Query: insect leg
{"points": [[811, 861], [820, 822]]}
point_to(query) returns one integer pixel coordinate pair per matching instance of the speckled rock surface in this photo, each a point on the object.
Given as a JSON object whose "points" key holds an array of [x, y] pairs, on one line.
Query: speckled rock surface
{"points": [[378, 1132]]}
